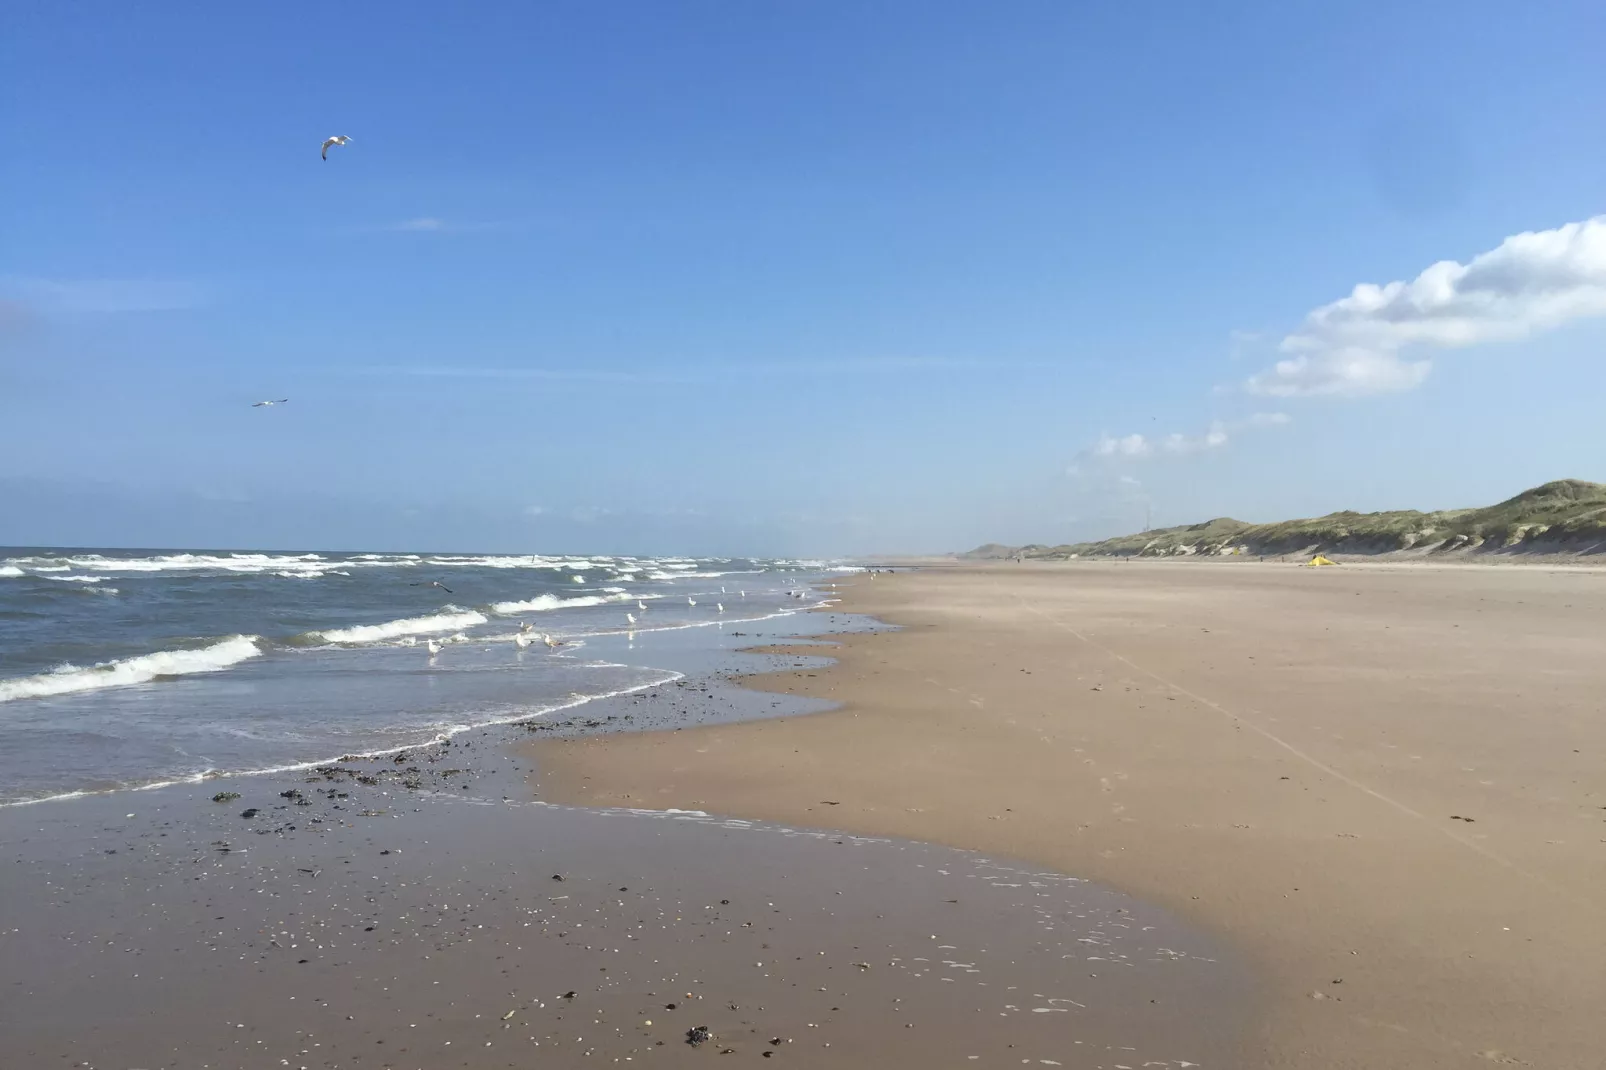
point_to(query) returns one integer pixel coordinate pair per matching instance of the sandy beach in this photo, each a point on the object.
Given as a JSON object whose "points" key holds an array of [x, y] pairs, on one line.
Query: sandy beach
{"points": [[1384, 785], [421, 909]]}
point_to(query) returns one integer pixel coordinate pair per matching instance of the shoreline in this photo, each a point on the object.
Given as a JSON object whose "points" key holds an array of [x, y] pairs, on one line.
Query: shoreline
{"points": [[421, 910], [1287, 763]]}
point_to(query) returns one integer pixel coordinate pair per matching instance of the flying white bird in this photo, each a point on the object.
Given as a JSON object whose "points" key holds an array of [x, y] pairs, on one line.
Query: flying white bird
{"points": [[690, 601], [266, 404], [521, 640], [631, 617], [338, 139], [433, 647], [432, 583]]}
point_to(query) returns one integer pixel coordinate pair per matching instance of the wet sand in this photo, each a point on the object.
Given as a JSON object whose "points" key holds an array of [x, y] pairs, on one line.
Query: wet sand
{"points": [[422, 911], [1386, 785]]}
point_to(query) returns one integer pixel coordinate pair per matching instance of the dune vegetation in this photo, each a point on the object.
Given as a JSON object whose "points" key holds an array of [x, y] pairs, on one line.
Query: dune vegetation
{"points": [[1567, 516]]}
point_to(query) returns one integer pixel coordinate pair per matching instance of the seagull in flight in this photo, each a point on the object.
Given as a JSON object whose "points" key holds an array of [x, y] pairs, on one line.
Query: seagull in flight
{"points": [[432, 583], [338, 139], [266, 404]]}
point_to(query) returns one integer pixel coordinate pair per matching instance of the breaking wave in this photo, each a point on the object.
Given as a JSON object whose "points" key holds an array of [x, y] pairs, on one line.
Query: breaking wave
{"points": [[143, 669], [543, 602], [11, 570], [392, 629]]}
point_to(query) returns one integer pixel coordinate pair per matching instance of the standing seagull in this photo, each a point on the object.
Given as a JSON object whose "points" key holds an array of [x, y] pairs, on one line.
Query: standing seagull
{"points": [[552, 644], [631, 617], [720, 606], [265, 404], [690, 601], [338, 139], [641, 605], [521, 640], [433, 647]]}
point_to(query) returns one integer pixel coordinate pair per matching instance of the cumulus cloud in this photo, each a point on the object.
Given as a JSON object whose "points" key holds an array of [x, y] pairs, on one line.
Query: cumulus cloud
{"points": [[1111, 448], [1175, 443], [1531, 282]]}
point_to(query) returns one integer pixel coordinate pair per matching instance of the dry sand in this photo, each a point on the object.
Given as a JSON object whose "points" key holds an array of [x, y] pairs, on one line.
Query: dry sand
{"points": [[1387, 785]]}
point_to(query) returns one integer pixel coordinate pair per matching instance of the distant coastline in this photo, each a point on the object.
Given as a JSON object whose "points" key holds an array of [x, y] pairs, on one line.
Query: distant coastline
{"points": [[1564, 517]]}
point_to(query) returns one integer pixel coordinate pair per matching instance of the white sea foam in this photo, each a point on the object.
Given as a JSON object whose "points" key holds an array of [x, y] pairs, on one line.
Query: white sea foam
{"points": [[11, 570], [143, 669], [75, 579], [392, 629], [541, 603]]}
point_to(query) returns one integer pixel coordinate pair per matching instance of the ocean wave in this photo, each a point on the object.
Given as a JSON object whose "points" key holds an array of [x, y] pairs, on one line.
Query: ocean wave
{"points": [[541, 603], [139, 670], [11, 570], [173, 563], [371, 633], [75, 579]]}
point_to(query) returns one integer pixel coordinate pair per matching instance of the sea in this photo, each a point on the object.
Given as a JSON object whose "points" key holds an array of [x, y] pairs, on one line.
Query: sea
{"points": [[129, 669]]}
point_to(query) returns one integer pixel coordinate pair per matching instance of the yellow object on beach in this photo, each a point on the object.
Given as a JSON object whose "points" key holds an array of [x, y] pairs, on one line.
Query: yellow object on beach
{"points": [[1319, 560]]}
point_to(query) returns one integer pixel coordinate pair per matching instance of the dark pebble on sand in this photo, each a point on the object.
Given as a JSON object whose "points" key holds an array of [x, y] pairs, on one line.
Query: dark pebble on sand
{"points": [[249, 813], [698, 1034]]}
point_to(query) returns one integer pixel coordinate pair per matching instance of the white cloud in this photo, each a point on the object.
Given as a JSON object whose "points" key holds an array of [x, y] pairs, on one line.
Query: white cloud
{"points": [[1127, 446], [1110, 448], [535, 510], [1531, 282], [421, 223]]}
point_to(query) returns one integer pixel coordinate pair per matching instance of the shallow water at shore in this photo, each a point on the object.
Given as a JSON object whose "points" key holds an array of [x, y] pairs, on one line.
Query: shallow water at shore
{"points": [[126, 669]]}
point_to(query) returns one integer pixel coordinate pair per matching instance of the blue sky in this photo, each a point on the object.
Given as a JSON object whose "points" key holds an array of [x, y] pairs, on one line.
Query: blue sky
{"points": [[789, 278]]}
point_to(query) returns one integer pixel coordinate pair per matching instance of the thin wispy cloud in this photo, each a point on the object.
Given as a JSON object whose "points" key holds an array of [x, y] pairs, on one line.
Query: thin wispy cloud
{"points": [[429, 224], [1377, 339], [103, 296], [700, 373], [580, 375]]}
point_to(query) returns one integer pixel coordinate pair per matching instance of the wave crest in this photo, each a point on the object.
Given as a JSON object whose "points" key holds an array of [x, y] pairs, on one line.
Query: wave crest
{"points": [[394, 629], [541, 603], [129, 671]]}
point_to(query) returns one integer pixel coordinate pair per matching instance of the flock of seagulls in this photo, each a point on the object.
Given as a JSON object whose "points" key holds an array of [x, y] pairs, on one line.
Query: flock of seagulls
{"points": [[522, 640]]}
